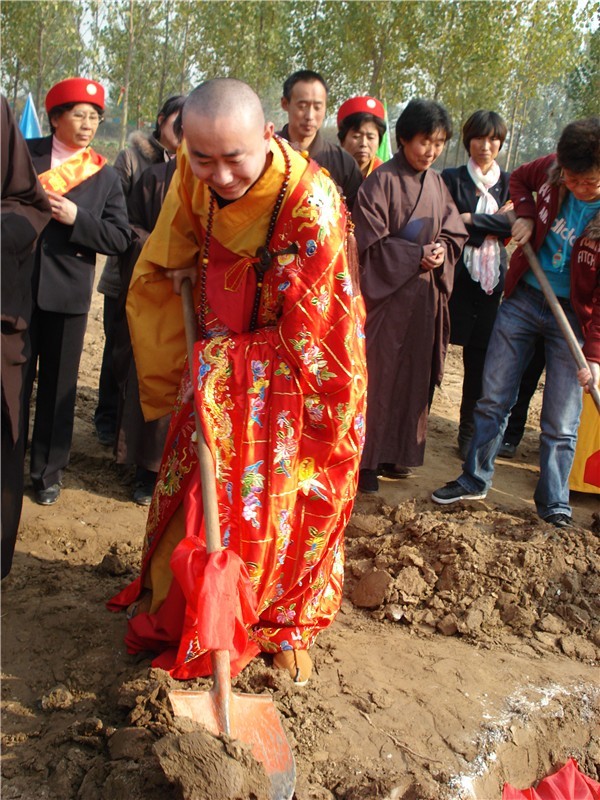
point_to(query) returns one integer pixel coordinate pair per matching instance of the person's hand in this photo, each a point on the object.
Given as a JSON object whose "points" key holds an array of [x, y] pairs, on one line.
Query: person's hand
{"points": [[188, 395], [466, 217], [433, 256], [589, 376], [63, 210], [508, 206], [179, 275], [521, 230]]}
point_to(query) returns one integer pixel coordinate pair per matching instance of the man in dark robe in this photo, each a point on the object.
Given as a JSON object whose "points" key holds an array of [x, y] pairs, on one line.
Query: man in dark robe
{"points": [[409, 236], [138, 442], [25, 213], [305, 100]]}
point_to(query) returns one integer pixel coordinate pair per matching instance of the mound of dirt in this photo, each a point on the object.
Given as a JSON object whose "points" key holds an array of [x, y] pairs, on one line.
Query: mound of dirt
{"points": [[465, 653], [484, 577]]}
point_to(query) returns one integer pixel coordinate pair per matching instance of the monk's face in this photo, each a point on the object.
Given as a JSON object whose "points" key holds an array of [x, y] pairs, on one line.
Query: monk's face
{"points": [[423, 149], [228, 153]]}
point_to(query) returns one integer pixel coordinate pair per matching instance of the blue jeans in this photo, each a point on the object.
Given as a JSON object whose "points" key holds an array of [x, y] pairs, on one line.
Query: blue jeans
{"points": [[523, 318]]}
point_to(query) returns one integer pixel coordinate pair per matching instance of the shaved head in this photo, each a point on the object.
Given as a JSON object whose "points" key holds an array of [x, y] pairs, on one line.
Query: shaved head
{"points": [[227, 138], [225, 97]]}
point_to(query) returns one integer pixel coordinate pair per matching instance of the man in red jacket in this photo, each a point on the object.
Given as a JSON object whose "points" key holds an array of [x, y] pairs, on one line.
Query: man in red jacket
{"points": [[562, 221]]}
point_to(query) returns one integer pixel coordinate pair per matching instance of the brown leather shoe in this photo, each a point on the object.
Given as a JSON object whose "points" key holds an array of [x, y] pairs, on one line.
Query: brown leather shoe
{"points": [[298, 664]]}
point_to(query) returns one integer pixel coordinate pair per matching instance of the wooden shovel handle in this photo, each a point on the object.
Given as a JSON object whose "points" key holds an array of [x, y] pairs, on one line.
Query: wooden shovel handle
{"points": [[557, 310], [207, 467]]}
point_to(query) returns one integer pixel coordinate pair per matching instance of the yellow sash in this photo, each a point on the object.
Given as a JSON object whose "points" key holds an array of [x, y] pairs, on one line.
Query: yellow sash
{"points": [[72, 172]]}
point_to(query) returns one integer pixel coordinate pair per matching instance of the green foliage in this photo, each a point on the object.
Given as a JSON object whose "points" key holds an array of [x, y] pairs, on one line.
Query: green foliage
{"points": [[514, 57], [583, 85], [41, 44]]}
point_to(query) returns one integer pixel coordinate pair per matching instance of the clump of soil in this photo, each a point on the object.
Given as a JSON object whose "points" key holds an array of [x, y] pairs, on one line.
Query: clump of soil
{"points": [[477, 575]]}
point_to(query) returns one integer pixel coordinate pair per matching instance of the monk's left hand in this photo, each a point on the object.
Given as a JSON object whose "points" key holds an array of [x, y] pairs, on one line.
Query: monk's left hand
{"points": [[589, 376], [433, 256], [63, 210], [179, 275]]}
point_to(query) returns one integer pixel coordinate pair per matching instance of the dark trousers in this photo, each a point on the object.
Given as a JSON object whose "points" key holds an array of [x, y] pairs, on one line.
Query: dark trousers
{"points": [[531, 377], [13, 458], [105, 416], [57, 344], [473, 361]]}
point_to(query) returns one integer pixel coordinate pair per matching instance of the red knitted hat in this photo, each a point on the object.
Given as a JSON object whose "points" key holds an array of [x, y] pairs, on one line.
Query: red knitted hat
{"points": [[357, 105], [75, 90]]}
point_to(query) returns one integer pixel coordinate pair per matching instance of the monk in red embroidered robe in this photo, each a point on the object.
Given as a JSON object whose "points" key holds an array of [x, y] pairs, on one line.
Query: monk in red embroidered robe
{"points": [[279, 382]]}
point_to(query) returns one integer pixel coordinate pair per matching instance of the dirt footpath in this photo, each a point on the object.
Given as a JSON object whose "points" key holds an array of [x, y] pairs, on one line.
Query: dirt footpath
{"points": [[465, 655]]}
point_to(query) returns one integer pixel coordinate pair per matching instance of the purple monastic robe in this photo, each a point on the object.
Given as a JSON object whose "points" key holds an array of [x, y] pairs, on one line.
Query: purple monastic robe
{"points": [[398, 211]]}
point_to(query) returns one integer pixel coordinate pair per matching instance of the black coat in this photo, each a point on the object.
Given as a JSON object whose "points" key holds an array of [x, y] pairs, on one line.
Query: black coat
{"points": [[66, 254], [472, 311], [25, 211]]}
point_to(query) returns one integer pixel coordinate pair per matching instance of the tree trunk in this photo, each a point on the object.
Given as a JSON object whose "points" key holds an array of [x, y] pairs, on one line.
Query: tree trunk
{"points": [[165, 58], [512, 127], [126, 80], [40, 55], [518, 137], [16, 84], [184, 55]]}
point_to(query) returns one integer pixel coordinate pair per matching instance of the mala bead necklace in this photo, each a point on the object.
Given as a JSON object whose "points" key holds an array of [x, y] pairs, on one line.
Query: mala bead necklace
{"points": [[264, 257]]}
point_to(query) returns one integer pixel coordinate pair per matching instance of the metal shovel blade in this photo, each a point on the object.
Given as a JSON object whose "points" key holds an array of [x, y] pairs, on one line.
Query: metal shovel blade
{"points": [[254, 720]]}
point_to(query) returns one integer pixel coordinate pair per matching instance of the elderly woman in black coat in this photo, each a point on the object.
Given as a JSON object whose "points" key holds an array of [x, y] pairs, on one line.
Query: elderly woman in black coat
{"points": [[88, 217]]}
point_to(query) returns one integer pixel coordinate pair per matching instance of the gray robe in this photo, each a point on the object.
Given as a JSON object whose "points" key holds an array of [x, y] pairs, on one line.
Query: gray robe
{"points": [[398, 212]]}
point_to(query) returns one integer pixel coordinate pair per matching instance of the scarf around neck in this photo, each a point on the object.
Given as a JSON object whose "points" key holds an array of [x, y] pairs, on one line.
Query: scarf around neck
{"points": [[483, 263]]}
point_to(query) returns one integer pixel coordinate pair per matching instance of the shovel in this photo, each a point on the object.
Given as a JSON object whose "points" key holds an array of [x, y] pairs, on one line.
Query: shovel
{"points": [[557, 310], [253, 719]]}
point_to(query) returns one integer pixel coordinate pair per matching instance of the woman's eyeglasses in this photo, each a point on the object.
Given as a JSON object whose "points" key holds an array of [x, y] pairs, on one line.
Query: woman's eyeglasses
{"points": [[584, 183], [93, 118]]}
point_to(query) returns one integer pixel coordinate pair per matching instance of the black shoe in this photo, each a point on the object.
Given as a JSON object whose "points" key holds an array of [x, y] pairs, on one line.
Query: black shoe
{"points": [[453, 492], [559, 520], [507, 450], [142, 494], [367, 481], [106, 438], [394, 472], [49, 496]]}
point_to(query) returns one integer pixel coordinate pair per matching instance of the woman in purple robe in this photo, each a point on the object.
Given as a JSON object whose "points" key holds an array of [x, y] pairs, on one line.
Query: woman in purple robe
{"points": [[409, 235]]}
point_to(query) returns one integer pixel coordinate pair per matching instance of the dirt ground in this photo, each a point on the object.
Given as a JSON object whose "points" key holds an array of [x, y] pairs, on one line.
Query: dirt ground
{"points": [[465, 654]]}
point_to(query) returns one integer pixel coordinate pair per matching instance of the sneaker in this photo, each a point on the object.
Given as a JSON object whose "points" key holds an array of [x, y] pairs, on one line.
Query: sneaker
{"points": [[394, 472], [453, 492], [507, 450], [559, 520], [367, 481]]}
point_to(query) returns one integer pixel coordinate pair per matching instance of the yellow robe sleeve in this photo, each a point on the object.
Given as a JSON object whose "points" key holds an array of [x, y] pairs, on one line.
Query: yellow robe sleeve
{"points": [[154, 311]]}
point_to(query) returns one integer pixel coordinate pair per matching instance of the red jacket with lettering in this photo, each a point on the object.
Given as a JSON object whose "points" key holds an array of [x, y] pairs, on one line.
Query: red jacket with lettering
{"points": [[542, 176]]}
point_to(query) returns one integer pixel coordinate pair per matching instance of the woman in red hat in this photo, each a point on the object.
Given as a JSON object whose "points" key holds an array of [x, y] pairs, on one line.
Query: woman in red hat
{"points": [[361, 127], [88, 217]]}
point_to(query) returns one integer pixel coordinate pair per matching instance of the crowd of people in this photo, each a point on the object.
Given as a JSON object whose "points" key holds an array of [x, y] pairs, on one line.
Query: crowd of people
{"points": [[328, 282]]}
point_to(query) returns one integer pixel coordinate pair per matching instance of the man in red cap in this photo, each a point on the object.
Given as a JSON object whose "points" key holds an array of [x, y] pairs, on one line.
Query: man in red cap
{"points": [[88, 217], [361, 128]]}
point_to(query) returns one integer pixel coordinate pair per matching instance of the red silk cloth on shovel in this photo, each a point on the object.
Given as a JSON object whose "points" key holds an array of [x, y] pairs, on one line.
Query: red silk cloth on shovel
{"points": [[566, 784]]}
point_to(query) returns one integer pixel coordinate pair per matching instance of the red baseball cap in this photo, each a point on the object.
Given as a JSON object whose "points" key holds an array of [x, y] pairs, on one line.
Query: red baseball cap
{"points": [[361, 105], [75, 90]]}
